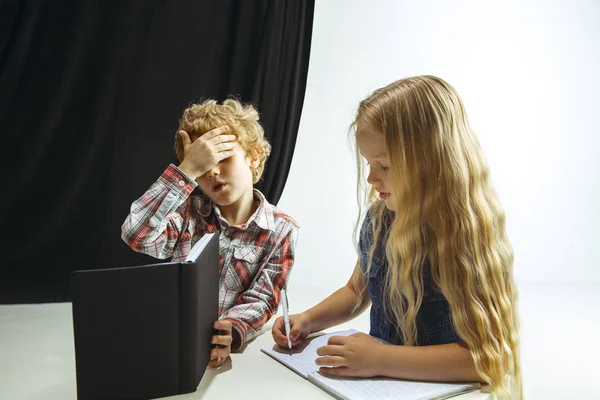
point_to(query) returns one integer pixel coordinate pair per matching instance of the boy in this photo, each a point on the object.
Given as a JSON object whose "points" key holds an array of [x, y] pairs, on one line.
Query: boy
{"points": [[222, 151]]}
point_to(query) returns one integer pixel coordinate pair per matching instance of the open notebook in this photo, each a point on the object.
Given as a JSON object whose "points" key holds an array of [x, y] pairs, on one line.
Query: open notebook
{"points": [[302, 361]]}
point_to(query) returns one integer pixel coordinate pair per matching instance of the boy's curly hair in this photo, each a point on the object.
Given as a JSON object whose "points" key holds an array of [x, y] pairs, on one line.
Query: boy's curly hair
{"points": [[242, 120]]}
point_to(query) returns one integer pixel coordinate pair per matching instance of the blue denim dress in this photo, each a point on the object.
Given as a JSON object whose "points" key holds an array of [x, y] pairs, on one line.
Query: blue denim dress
{"points": [[434, 325]]}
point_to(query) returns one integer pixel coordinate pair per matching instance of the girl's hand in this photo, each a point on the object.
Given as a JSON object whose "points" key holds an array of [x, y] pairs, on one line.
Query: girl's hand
{"points": [[300, 328], [357, 355], [221, 352], [207, 151]]}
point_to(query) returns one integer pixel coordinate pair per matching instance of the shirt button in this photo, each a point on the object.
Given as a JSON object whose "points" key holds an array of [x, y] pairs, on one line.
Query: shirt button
{"points": [[181, 183]]}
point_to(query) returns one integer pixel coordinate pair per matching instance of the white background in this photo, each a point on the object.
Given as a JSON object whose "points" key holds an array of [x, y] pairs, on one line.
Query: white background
{"points": [[528, 74]]}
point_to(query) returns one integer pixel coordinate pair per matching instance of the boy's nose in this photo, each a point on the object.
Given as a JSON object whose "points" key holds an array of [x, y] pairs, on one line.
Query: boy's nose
{"points": [[214, 171]]}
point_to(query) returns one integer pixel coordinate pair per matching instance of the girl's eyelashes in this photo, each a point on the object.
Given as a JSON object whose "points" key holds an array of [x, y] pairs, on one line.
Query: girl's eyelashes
{"points": [[384, 168]]}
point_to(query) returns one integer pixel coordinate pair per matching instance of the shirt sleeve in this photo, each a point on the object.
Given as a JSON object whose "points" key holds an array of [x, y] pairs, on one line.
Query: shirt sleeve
{"points": [[156, 219], [254, 307]]}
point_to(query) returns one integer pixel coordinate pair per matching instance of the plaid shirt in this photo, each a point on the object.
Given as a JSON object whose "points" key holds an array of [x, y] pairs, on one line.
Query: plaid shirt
{"points": [[255, 259]]}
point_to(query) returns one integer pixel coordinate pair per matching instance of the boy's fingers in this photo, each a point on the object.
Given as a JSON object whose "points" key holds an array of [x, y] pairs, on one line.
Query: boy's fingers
{"points": [[225, 146], [216, 132], [185, 138], [223, 326], [219, 352], [222, 340], [224, 154], [217, 362], [222, 139]]}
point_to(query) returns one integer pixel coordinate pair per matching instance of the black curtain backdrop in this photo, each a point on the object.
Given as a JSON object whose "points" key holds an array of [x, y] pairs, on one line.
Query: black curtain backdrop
{"points": [[90, 96]]}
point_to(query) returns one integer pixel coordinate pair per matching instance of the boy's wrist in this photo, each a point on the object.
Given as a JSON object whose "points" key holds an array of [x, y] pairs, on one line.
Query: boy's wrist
{"points": [[236, 340], [189, 171]]}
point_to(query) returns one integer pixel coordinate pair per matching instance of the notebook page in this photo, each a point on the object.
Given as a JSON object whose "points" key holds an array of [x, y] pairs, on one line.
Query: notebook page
{"points": [[384, 388], [199, 247], [302, 359]]}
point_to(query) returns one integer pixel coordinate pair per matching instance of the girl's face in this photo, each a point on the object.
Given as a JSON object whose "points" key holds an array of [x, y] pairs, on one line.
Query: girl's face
{"points": [[371, 145]]}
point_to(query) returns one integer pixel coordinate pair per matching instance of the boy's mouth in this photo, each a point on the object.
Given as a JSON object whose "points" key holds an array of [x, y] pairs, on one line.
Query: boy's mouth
{"points": [[218, 186]]}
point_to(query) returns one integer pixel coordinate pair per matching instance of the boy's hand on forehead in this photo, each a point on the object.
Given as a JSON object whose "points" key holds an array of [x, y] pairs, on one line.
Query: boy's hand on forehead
{"points": [[200, 155]]}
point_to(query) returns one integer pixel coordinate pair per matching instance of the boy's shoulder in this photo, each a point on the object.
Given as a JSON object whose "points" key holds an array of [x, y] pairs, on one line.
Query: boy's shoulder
{"points": [[283, 217], [279, 217]]}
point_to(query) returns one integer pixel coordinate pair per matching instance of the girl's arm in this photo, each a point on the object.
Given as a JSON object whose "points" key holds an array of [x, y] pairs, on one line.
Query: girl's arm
{"points": [[341, 306], [450, 362], [360, 355]]}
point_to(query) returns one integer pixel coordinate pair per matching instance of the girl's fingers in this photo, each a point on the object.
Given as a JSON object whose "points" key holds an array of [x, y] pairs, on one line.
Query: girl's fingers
{"points": [[330, 361]]}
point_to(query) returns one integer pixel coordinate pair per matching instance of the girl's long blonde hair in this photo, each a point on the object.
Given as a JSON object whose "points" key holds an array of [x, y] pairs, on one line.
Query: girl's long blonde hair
{"points": [[447, 213]]}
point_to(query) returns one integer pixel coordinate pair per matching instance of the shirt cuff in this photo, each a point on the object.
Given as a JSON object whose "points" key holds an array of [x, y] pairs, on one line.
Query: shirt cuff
{"points": [[241, 332], [178, 180]]}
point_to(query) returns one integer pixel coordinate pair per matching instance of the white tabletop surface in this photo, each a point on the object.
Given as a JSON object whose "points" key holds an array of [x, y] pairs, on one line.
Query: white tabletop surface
{"points": [[38, 362]]}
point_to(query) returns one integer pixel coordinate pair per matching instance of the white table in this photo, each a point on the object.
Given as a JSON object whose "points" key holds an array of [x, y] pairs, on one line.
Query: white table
{"points": [[37, 361]]}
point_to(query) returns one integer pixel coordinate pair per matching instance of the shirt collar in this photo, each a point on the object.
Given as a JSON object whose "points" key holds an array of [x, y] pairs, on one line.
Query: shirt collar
{"points": [[263, 216]]}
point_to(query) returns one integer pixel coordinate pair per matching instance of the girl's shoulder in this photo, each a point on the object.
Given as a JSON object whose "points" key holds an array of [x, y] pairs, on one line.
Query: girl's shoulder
{"points": [[376, 224], [377, 214]]}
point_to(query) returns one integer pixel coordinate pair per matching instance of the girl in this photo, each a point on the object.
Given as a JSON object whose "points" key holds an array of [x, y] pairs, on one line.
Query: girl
{"points": [[435, 263]]}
